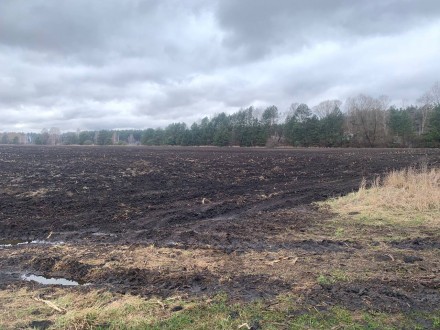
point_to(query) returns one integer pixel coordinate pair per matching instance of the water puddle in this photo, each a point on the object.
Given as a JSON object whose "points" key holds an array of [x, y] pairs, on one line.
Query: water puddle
{"points": [[15, 242], [222, 218], [100, 234], [11, 242], [48, 281]]}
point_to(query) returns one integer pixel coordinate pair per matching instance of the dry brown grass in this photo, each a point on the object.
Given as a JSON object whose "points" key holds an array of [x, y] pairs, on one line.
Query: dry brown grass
{"points": [[410, 196]]}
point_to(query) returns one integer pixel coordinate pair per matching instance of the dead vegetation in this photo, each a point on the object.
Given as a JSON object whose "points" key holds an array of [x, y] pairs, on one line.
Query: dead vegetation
{"points": [[407, 197]]}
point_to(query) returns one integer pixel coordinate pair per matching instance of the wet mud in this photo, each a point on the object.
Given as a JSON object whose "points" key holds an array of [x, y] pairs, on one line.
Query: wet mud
{"points": [[381, 296], [200, 221]]}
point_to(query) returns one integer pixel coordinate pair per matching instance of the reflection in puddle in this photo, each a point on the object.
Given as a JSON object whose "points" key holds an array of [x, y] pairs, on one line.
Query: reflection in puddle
{"points": [[45, 280]]}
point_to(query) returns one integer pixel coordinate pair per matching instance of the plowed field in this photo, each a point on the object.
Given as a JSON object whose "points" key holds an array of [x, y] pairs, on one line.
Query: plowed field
{"points": [[198, 221]]}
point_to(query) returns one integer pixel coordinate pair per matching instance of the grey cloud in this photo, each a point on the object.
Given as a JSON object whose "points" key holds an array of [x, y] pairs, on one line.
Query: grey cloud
{"points": [[144, 63], [258, 26], [64, 26]]}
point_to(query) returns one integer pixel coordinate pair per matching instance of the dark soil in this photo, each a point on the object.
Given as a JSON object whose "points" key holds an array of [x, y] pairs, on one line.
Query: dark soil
{"points": [[208, 211], [385, 296], [425, 243]]}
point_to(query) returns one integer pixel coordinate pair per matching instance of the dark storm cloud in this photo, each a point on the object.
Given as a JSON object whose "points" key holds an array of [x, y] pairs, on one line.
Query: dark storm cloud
{"points": [[144, 63]]}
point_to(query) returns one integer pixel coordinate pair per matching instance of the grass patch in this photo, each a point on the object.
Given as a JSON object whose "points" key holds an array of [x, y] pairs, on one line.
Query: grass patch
{"points": [[104, 310], [337, 275]]}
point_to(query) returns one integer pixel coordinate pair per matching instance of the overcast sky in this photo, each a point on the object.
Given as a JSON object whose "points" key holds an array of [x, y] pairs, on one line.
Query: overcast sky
{"points": [[95, 64]]}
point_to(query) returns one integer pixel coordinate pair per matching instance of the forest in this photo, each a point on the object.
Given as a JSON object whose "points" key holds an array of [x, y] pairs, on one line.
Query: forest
{"points": [[361, 121]]}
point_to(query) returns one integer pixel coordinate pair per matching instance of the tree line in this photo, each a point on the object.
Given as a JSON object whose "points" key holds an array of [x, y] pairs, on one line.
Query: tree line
{"points": [[365, 122]]}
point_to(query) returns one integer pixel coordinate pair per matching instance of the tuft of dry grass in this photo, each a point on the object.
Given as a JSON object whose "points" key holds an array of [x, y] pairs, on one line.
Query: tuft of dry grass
{"points": [[410, 196]]}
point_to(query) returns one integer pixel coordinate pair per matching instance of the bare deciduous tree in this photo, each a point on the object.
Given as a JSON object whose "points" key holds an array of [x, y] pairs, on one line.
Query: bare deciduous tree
{"points": [[428, 102], [366, 119], [54, 136], [325, 108]]}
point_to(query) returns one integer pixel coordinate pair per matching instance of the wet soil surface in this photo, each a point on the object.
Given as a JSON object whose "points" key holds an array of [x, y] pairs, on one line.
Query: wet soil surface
{"points": [[199, 221]]}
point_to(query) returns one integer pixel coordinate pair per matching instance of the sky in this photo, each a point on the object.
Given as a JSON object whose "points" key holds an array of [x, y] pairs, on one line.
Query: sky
{"points": [[119, 64]]}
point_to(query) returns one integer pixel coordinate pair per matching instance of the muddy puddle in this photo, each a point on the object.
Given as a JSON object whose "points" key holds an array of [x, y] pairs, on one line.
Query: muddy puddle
{"points": [[16, 242], [102, 234], [50, 280], [12, 242]]}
